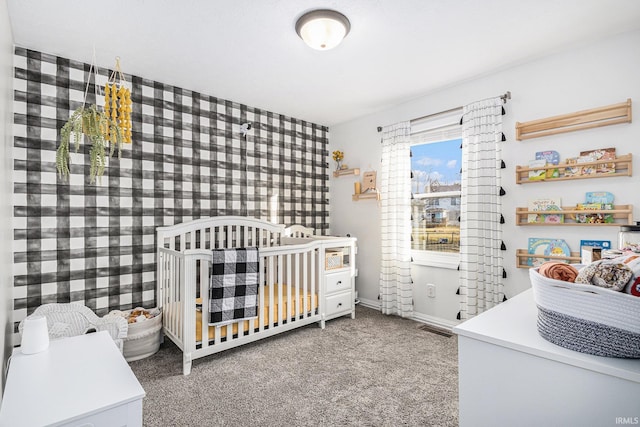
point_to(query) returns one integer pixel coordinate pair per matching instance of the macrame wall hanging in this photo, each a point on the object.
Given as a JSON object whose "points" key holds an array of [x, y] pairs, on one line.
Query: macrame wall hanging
{"points": [[106, 129]]}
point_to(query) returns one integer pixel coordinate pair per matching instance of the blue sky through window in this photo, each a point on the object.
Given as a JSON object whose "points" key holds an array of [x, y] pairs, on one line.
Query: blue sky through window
{"points": [[438, 160]]}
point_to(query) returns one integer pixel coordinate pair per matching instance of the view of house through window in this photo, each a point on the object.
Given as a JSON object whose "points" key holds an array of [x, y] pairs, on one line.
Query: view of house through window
{"points": [[436, 186]]}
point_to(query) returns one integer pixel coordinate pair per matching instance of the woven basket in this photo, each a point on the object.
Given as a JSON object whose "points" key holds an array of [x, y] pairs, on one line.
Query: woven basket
{"points": [[587, 318]]}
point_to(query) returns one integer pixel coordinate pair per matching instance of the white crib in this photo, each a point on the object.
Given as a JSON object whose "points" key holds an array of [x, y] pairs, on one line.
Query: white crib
{"points": [[290, 292]]}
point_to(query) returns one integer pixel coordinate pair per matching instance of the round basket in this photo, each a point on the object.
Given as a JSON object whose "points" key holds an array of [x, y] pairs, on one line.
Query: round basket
{"points": [[143, 338], [587, 318]]}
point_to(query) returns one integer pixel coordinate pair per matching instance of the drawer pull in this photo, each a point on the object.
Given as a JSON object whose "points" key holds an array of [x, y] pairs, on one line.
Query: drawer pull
{"points": [[339, 304], [339, 282]]}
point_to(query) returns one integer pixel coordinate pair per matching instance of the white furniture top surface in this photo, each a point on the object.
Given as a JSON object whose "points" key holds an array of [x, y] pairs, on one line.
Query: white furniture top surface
{"points": [[513, 324], [73, 378]]}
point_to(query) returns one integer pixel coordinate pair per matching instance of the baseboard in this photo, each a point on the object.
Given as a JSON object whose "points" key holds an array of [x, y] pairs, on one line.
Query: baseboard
{"points": [[370, 303], [418, 317], [435, 321]]}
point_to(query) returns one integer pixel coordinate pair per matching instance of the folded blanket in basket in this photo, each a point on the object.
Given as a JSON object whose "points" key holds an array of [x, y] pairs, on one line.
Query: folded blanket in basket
{"points": [[606, 273], [633, 262], [233, 291], [559, 271]]}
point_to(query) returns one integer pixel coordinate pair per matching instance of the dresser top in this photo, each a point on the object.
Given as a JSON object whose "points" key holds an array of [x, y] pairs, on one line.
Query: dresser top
{"points": [[513, 324], [73, 378]]}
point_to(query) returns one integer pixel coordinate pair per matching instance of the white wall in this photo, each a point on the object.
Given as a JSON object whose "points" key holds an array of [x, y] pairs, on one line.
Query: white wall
{"points": [[6, 114], [586, 76]]}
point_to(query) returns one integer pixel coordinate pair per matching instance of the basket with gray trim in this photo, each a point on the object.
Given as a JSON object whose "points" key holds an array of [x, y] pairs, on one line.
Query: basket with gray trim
{"points": [[587, 318]]}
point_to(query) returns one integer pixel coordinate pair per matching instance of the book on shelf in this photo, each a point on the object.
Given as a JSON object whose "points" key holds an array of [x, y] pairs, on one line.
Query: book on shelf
{"points": [[595, 217], [537, 174], [547, 247], [602, 244], [599, 154], [572, 167], [551, 158], [546, 207], [598, 197]]}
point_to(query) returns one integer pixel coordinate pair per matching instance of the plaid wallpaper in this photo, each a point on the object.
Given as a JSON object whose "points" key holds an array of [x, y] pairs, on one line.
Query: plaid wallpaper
{"points": [[95, 244]]}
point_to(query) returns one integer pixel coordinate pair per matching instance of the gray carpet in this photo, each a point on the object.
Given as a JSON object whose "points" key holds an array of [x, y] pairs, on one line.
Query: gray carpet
{"points": [[375, 370]]}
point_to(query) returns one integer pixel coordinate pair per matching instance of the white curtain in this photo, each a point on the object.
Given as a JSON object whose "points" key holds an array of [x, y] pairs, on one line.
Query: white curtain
{"points": [[481, 265], [395, 188]]}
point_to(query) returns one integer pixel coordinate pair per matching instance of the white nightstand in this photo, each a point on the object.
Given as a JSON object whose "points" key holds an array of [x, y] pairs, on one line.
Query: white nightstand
{"points": [[77, 381], [338, 283]]}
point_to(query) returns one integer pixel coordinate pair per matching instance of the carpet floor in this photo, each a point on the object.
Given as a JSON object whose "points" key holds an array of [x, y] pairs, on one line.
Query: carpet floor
{"points": [[375, 370]]}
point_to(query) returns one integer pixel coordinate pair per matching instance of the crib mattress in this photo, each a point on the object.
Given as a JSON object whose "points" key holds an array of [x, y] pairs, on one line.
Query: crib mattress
{"points": [[312, 301]]}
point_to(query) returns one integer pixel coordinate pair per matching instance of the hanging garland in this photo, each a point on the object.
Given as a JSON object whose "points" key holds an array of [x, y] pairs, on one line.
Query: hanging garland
{"points": [[117, 101], [104, 131]]}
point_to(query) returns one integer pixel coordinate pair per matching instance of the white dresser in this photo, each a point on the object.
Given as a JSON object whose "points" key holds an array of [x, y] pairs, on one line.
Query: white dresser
{"points": [[77, 381], [510, 375]]}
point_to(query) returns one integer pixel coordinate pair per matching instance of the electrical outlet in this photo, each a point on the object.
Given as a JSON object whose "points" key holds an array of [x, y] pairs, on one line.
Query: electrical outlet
{"points": [[431, 290]]}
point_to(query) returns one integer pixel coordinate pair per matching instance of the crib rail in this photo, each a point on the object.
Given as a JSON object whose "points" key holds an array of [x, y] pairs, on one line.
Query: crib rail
{"points": [[220, 232], [288, 292], [289, 283]]}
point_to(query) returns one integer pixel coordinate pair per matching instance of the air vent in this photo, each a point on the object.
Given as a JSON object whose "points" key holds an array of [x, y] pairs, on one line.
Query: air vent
{"points": [[434, 330]]}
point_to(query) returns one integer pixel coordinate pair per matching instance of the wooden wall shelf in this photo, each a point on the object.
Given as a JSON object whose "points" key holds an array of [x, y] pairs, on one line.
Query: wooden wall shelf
{"points": [[622, 215], [522, 257], [623, 168], [362, 196], [345, 172], [585, 119]]}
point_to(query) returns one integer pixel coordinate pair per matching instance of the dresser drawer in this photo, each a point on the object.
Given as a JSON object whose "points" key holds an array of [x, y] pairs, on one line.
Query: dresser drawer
{"points": [[337, 282], [339, 303]]}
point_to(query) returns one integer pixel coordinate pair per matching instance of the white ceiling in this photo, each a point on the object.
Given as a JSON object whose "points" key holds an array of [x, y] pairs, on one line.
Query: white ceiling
{"points": [[247, 50]]}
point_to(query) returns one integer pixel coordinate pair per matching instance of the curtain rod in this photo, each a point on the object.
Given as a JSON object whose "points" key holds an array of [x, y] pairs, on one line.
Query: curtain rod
{"points": [[504, 98]]}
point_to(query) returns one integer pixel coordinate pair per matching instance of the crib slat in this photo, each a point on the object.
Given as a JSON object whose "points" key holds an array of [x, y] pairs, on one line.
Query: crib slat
{"points": [[261, 300], [297, 276], [172, 291], [313, 282], [304, 284], [204, 295], [220, 237], [270, 276], [289, 282], [229, 331], [279, 285], [174, 279]]}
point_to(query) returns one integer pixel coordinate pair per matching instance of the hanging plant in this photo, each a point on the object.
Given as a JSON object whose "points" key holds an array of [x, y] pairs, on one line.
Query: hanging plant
{"points": [[99, 130], [103, 131]]}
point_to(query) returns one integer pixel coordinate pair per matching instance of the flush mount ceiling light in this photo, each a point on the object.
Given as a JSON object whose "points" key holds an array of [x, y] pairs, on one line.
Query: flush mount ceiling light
{"points": [[323, 29]]}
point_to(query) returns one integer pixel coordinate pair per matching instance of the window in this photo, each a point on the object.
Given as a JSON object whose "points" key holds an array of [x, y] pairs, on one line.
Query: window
{"points": [[436, 186]]}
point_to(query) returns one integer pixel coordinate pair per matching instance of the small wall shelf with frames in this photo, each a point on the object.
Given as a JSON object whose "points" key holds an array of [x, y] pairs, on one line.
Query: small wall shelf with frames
{"points": [[368, 195], [623, 168], [346, 172]]}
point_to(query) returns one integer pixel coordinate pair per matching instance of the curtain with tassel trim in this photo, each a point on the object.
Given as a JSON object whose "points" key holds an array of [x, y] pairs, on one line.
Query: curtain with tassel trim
{"points": [[481, 266], [396, 295]]}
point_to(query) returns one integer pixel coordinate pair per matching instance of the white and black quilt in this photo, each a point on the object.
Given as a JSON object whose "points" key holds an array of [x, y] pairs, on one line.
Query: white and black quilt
{"points": [[233, 292]]}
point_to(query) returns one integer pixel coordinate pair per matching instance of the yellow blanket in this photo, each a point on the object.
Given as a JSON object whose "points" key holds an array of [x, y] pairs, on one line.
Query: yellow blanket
{"points": [[313, 302]]}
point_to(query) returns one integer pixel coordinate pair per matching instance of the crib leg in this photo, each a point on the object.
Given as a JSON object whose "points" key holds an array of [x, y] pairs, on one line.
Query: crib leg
{"points": [[186, 363], [322, 324]]}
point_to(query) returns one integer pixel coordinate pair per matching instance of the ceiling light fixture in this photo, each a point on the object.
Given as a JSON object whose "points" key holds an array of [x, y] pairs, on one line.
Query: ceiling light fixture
{"points": [[323, 29]]}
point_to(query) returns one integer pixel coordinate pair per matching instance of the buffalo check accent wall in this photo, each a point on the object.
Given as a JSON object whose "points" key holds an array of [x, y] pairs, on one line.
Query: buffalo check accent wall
{"points": [[95, 244]]}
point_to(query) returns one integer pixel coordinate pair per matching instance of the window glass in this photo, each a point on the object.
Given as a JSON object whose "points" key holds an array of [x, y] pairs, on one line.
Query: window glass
{"points": [[436, 188]]}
